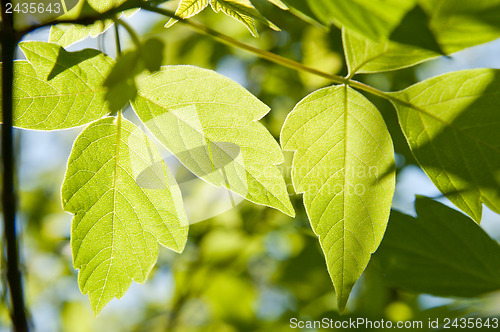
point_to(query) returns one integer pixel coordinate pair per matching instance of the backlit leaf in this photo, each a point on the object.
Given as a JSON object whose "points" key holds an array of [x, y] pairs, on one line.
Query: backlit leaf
{"points": [[453, 132], [68, 34], [343, 165], [58, 89], [188, 8], [448, 28], [374, 19], [210, 124], [441, 252], [243, 11], [364, 55], [462, 24], [118, 223]]}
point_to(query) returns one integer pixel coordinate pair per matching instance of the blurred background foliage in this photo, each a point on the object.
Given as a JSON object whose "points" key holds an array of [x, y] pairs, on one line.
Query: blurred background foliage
{"points": [[250, 268]]}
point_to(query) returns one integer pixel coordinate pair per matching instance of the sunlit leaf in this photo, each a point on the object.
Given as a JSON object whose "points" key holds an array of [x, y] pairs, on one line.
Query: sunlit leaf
{"points": [[210, 124], [58, 89], [453, 133], [118, 223], [343, 165], [243, 11], [68, 34], [441, 252], [364, 55], [120, 83], [188, 8], [374, 19]]}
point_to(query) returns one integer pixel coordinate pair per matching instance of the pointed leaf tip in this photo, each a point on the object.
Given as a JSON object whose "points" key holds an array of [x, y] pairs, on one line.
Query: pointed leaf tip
{"points": [[343, 152]]}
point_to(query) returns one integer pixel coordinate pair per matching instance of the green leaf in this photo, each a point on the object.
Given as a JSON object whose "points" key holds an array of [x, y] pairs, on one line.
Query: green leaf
{"points": [[465, 23], [343, 164], [118, 223], [31, 12], [367, 56], [279, 4], [68, 34], [243, 11], [451, 26], [188, 8], [374, 19], [452, 130], [57, 89], [441, 252], [120, 83], [210, 124]]}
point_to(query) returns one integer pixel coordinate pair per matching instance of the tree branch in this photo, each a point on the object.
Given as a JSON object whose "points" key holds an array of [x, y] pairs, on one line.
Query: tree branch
{"points": [[9, 204]]}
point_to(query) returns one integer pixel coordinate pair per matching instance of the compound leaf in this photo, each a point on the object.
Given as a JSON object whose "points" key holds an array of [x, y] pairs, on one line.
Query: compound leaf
{"points": [[343, 163], [452, 125], [210, 124], [57, 89], [441, 252], [118, 223]]}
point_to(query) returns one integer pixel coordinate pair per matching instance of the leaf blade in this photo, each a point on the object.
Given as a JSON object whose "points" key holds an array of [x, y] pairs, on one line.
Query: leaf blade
{"points": [[365, 56], [243, 11], [453, 117], [449, 27], [215, 135], [326, 130], [187, 9], [118, 224], [57, 89]]}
